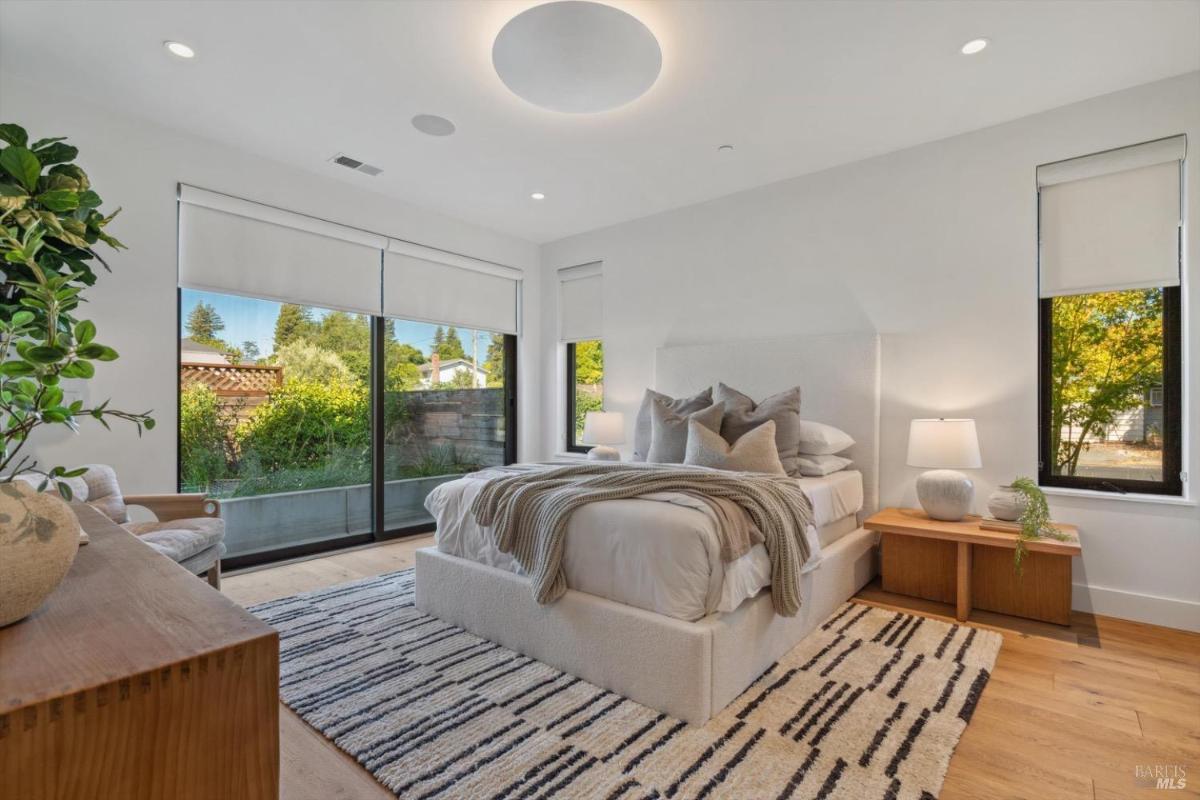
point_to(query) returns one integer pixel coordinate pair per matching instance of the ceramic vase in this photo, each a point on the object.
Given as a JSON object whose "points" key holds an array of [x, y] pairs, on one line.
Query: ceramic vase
{"points": [[1006, 503], [39, 536]]}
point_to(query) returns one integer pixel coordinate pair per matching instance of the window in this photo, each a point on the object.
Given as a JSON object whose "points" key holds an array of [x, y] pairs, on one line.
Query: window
{"points": [[1110, 416], [585, 388], [320, 398]]}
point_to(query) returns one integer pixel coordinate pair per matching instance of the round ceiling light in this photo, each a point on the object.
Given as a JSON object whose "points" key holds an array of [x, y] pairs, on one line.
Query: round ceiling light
{"points": [[179, 49], [576, 57], [433, 125], [974, 46], [538, 196]]}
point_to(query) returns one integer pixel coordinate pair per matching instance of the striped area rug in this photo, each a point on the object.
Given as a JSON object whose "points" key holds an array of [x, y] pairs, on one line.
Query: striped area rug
{"points": [[870, 705]]}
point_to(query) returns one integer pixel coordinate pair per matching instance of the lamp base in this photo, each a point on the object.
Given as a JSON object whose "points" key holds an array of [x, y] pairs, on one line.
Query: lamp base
{"points": [[604, 453], [945, 494]]}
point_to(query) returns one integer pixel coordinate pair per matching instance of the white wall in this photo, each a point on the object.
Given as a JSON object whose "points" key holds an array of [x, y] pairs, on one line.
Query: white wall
{"points": [[136, 165], [935, 248]]}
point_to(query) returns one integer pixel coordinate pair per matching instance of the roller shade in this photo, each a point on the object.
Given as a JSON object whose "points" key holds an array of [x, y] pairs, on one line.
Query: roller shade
{"points": [[421, 283], [1111, 221], [581, 303], [235, 246]]}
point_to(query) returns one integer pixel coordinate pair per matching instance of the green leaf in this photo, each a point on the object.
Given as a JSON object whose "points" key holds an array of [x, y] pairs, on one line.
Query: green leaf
{"points": [[76, 473], [8, 190], [13, 369], [78, 369], [85, 331], [90, 350], [59, 199], [57, 153], [43, 142], [64, 489], [22, 165], [13, 134], [51, 397], [45, 354], [89, 199], [149, 423], [73, 171]]}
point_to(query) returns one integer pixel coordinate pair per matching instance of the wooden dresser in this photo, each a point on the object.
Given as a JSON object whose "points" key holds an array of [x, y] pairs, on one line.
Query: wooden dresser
{"points": [[137, 680]]}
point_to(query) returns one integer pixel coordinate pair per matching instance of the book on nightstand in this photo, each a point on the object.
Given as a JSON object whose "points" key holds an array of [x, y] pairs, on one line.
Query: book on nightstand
{"points": [[993, 524]]}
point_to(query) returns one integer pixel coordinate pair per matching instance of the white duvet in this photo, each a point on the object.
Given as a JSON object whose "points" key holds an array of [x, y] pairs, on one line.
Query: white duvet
{"points": [[659, 552]]}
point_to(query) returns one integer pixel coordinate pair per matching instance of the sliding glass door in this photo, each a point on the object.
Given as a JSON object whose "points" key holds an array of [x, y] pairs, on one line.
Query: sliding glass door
{"points": [[447, 403], [319, 428]]}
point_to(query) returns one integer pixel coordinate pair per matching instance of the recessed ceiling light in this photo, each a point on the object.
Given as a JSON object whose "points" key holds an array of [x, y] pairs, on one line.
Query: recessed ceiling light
{"points": [[538, 196], [576, 56], [725, 148], [179, 49], [974, 46], [433, 125]]}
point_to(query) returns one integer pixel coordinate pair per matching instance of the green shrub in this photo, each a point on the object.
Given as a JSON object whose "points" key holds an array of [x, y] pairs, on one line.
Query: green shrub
{"points": [[203, 437], [304, 423]]}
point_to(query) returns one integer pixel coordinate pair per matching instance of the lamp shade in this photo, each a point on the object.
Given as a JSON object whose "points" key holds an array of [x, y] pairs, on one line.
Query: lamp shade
{"points": [[943, 444], [604, 427]]}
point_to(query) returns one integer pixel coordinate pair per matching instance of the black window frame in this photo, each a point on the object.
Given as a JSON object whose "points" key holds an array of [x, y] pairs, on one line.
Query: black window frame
{"points": [[1172, 386], [379, 531], [572, 445]]}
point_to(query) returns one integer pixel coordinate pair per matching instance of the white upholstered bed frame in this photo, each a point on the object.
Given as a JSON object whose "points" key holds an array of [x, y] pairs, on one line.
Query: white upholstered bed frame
{"points": [[690, 670]]}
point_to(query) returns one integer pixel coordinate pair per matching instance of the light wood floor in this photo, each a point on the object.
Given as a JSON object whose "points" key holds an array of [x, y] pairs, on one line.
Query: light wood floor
{"points": [[1069, 712]]}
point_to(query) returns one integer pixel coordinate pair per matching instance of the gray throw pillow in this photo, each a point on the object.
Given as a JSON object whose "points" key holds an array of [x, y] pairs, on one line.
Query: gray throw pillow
{"points": [[669, 431], [743, 415], [754, 452], [682, 405]]}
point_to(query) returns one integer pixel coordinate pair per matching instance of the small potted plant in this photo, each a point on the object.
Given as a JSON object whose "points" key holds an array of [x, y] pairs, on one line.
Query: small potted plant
{"points": [[1034, 518], [49, 222]]}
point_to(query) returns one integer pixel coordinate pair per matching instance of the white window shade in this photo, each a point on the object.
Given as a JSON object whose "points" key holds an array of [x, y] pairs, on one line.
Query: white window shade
{"points": [[420, 283], [1111, 221], [235, 246], [581, 303]]}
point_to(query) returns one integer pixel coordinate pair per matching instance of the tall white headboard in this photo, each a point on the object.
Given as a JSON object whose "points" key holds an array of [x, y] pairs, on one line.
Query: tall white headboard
{"points": [[838, 376]]}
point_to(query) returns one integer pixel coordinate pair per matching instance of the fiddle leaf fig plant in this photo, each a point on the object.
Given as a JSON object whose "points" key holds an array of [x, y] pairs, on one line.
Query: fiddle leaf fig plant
{"points": [[49, 222]]}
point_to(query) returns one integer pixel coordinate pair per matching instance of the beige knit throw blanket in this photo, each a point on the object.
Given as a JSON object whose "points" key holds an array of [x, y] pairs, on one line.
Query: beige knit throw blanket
{"points": [[527, 508]]}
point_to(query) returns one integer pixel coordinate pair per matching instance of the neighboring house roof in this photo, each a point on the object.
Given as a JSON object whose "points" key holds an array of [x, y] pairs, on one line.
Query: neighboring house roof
{"points": [[190, 350], [427, 367]]}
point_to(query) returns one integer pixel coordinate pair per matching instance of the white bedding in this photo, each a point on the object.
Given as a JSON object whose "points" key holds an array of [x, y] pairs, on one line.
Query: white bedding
{"points": [[677, 571]]}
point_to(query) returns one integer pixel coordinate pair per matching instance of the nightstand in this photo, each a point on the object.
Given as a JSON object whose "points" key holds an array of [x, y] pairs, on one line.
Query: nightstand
{"points": [[962, 564]]}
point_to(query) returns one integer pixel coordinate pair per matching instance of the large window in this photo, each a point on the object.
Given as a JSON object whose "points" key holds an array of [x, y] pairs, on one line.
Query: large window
{"points": [[276, 419], [585, 388], [1110, 234]]}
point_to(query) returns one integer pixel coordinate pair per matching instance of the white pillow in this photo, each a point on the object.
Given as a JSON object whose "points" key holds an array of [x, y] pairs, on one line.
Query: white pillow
{"points": [[820, 466], [818, 439]]}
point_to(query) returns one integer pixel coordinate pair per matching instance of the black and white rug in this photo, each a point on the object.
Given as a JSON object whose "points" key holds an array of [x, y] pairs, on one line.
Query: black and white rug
{"points": [[871, 705]]}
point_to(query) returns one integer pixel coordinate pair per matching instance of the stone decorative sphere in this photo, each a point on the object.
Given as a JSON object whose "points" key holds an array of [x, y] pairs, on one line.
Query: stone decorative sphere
{"points": [[39, 536]]}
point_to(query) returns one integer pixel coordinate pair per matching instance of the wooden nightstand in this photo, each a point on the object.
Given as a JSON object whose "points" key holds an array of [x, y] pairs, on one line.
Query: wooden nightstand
{"points": [[962, 564]]}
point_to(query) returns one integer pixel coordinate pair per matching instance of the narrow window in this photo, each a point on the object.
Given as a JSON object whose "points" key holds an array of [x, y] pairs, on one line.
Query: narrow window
{"points": [[585, 388], [1110, 416]]}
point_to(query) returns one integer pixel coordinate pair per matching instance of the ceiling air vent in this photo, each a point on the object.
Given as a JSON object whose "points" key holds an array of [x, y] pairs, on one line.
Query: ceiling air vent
{"points": [[355, 164]]}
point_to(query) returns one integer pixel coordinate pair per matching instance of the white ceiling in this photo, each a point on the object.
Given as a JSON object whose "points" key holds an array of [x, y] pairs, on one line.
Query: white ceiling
{"points": [[795, 86]]}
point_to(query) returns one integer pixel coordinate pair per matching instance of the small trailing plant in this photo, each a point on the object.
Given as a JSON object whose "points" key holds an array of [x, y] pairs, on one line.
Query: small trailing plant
{"points": [[1034, 519], [49, 223]]}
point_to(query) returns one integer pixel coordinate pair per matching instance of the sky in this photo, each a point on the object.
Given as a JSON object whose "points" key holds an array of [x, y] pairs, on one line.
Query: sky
{"points": [[249, 319]]}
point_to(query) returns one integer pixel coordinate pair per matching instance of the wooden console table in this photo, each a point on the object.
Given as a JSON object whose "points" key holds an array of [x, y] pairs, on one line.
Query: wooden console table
{"points": [[962, 564], [137, 680]]}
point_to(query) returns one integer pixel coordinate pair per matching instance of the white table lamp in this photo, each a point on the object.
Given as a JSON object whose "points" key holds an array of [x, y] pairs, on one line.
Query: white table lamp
{"points": [[945, 445], [603, 429]]}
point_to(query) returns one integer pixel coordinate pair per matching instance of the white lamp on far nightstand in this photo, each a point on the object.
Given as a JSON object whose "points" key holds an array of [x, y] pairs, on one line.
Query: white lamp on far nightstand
{"points": [[946, 445], [603, 429]]}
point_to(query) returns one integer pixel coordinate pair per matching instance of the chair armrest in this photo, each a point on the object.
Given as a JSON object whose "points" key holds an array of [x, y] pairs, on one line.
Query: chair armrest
{"points": [[176, 506]]}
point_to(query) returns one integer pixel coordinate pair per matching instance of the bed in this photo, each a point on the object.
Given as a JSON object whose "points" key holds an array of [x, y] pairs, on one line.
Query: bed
{"points": [[659, 618]]}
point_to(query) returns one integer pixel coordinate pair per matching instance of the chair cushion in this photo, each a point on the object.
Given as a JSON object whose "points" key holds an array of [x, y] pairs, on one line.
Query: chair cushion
{"points": [[203, 561], [104, 493], [180, 539]]}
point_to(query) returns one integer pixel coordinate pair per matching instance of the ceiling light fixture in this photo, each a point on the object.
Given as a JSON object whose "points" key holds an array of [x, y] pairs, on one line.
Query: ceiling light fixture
{"points": [[179, 49], [433, 125], [725, 148], [538, 196], [974, 46], [576, 56]]}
